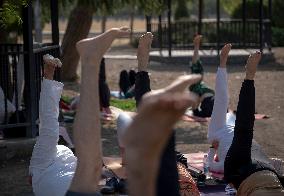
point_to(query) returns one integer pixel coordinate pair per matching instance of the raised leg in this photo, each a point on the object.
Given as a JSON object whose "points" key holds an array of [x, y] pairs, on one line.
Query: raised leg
{"points": [[239, 154], [142, 81], [145, 141], [45, 150], [167, 181], [87, 134], [221, 101], [196, 45], [104, 91]]}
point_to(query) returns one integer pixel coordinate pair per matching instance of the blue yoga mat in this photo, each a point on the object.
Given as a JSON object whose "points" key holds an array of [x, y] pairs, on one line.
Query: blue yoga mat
{"points": [[117, 94], [213, 190]]}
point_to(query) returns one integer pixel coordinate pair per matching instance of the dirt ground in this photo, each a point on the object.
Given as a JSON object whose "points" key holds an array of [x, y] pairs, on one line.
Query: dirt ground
{"points": [[191, 137]]}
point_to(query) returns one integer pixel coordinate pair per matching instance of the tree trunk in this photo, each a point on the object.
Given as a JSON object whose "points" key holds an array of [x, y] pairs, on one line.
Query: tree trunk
{"points": [[104, 20], [79, 24]]}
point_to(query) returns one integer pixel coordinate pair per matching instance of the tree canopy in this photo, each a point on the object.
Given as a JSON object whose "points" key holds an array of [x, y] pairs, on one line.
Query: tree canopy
{"points": [[10, 12]]}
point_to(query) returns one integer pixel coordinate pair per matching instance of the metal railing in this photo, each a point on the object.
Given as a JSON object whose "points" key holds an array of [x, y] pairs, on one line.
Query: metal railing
{"points": [[231, 30], [13, 82]]}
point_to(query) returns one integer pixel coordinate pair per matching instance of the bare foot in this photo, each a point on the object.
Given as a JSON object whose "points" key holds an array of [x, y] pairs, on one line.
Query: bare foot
{"points": [[196, 41], [251, 65], [93, 49], [147, 135], [224, 55], [144, 47], [50, 63]]}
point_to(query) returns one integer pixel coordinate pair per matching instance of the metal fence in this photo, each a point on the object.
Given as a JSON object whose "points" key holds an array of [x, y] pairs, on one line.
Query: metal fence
{"points": [[13, 104], [231, 31]]}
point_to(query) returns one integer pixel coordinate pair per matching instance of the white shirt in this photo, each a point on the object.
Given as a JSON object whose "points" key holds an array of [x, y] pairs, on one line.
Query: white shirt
{"points": [[52, 166]]}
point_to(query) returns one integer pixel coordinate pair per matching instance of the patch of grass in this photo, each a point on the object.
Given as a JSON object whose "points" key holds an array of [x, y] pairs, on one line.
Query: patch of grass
{"points": [[124, 104]]}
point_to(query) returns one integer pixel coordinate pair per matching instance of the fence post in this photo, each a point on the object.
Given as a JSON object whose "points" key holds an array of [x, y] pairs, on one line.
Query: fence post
{"points": [[55, 32], [160, 33], [200, 15], [218, 26], [54, 21], [261, 25], [269, 27], [30, 91], [170, 27], [148, 23], [244, 22]]}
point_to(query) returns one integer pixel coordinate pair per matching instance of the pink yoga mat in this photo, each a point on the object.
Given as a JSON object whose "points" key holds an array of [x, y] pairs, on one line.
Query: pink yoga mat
{"points": [[196, 160]]}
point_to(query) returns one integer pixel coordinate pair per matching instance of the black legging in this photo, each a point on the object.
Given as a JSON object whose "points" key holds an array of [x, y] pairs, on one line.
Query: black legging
{"points": [[104, 92], [167, 182], [241, 160]]}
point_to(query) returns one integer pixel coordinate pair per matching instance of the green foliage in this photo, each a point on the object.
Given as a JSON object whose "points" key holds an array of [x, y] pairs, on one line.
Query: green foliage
{"points": [[64, 6], [252, 10], [277, 36], [229, 5], [124, 104], [181, 11], [10, 13], [153, 7], [278, 13]]}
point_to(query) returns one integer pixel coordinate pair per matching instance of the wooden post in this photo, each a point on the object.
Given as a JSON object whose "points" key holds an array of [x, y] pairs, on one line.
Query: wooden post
{"points": [[218, 25], [261, 25], [200, 15], [170, 27], [244, 23], [54, 21], [30, 86]]}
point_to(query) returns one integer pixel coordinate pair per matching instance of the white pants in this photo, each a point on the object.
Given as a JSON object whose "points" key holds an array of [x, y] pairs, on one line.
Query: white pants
{"points": [[221, 127], [52, 166]]}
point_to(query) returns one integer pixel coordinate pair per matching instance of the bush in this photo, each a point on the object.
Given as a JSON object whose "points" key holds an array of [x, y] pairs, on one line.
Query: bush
{"points": [[181, 11], [252, 10], [277, 13], [277, 36]]}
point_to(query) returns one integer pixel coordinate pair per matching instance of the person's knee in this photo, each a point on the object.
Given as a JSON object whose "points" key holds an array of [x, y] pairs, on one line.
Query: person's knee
{"points": [[123, 121]]}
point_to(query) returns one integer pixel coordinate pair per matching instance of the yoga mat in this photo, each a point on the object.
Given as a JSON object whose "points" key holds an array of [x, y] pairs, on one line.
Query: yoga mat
{"points": [[193, 159], [196, 160], [117, 94], [191, 118], [214, 190]]}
